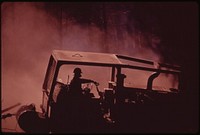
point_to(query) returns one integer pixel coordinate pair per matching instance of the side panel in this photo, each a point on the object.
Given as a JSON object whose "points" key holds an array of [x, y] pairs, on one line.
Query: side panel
{"points": [[49, 74], [48, 84]]}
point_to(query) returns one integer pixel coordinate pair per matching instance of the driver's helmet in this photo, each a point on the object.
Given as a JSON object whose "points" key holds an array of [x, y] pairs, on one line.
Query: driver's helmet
{"points": [[77, 71]]}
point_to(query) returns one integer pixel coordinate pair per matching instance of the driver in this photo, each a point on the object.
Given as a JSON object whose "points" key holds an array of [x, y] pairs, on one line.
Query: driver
{"points": [[75, 85]]}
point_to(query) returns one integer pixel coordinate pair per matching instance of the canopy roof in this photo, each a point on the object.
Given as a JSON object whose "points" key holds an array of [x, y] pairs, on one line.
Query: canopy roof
{"points": [[108, 59], [89, 57]]}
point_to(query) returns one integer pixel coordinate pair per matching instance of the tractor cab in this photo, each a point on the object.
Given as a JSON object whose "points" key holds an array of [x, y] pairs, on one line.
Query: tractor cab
{"points": [[130, 90]]}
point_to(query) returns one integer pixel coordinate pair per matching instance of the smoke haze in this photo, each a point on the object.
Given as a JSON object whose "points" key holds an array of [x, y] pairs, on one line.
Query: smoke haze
{"points": [[30, 31]]}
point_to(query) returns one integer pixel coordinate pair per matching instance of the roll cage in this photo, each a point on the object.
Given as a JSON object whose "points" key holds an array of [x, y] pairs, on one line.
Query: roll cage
{"points": [[116, 63]]}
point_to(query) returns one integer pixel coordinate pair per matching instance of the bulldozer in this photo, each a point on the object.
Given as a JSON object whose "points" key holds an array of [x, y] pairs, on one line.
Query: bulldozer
{"points": [[132, 95]]}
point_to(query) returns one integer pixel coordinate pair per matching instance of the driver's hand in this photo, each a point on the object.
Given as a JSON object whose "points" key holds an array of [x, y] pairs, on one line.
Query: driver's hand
{"points": [[96, 83]]}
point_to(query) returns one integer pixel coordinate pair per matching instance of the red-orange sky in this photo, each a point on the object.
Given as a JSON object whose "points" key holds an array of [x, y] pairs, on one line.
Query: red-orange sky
{"points": [[30, 31]]}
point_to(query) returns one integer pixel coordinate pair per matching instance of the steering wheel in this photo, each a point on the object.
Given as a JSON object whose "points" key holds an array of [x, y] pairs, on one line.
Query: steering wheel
{"points": [[87, 88]]}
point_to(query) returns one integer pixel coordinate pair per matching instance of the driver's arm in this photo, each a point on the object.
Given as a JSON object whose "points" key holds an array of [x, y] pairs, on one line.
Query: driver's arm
{"points": [[88, 81]]}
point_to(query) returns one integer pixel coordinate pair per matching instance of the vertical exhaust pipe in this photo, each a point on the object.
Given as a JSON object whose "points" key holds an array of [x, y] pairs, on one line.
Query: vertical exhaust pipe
{"points": [[150, 80]]}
